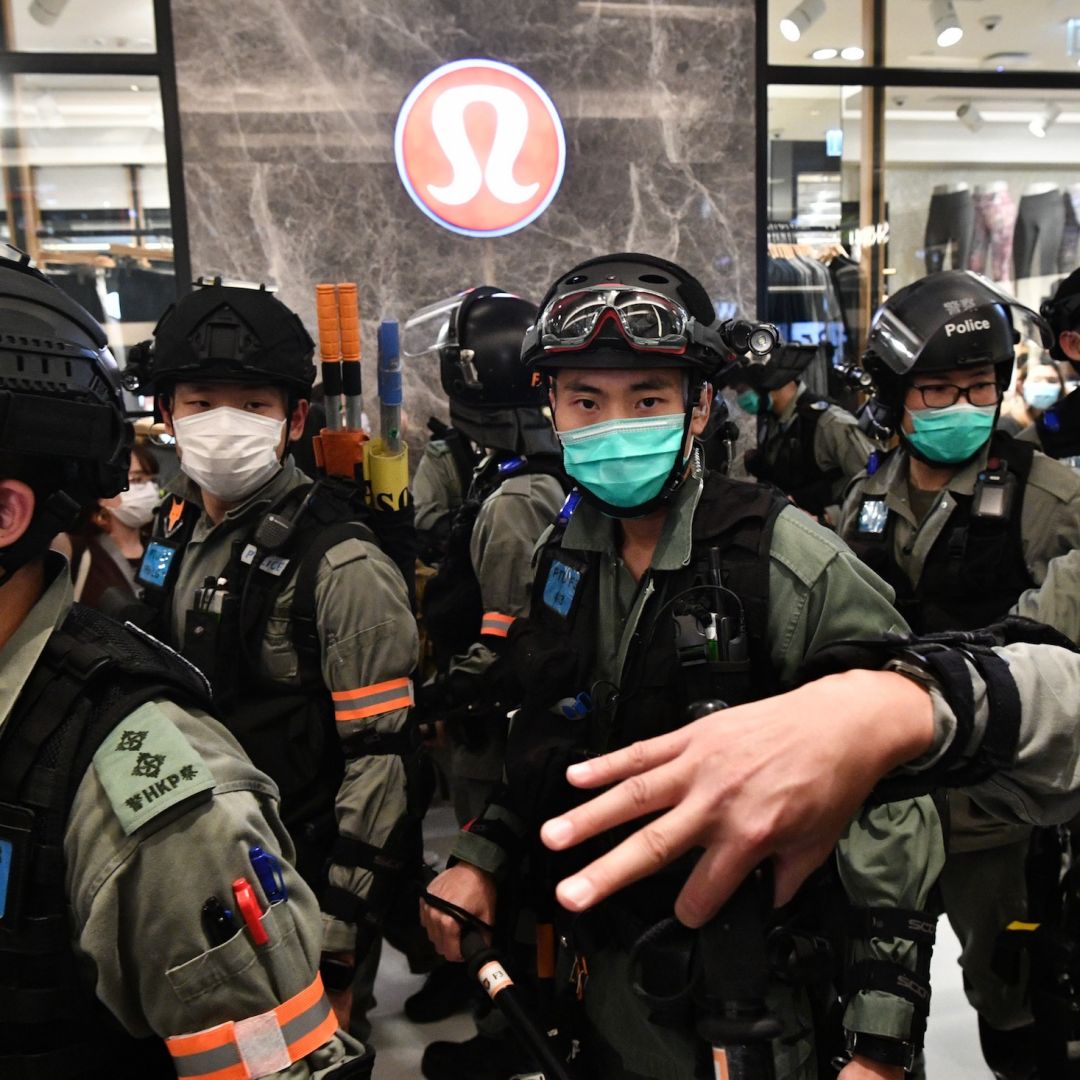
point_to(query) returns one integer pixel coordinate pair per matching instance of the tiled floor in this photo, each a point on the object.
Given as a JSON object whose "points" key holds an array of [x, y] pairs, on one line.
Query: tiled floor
{"points": [[952, 1049]]}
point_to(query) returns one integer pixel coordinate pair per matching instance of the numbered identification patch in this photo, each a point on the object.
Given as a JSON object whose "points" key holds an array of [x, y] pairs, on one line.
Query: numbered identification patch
{"points": [[560, 587], [146, 765], [873, 515], [156, 563]]}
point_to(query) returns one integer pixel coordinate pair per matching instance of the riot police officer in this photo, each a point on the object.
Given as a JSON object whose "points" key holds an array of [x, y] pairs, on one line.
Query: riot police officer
{"points": [[126, 812], [659, 587], [808, 446], [484, 576], [960, 519], [276, 587]]}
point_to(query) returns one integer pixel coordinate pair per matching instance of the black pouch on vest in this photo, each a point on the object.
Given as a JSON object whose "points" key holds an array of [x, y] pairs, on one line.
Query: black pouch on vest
{"points": [[206, 634]]}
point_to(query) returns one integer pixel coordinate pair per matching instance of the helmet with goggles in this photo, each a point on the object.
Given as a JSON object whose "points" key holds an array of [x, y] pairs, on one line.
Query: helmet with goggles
{"points": [[229, 333], [62, 421], [946, 321], [1062, 312], [630, 310]]}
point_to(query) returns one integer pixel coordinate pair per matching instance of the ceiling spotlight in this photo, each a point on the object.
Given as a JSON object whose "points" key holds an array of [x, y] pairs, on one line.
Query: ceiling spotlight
{"points": [[946, 25], [969, 116], [824, 54], [1041, 124], [47, 12], [801, 19], [852, 52]]}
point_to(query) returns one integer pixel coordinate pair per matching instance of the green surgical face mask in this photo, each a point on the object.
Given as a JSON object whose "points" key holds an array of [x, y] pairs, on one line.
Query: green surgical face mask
{"points": [[624, 462], [749, 401], [953, 434]]}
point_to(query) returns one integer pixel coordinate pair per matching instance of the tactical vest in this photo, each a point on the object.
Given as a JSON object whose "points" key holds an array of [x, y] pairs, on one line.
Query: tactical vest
{"points": [[92, 673], [453, 608], [462, 452], [288, 730], [669, 665], [787, 459], [975, 571]]}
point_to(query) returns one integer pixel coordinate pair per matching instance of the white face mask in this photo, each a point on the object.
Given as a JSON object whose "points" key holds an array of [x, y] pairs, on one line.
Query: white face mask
{"points": [[228, 452], [137, 505]]}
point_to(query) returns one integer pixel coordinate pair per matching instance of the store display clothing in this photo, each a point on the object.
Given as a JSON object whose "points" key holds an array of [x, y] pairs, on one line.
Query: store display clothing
{"points": [[1040, 222], [804, 306], [992, 239], [950, 227], [1070, 235]]}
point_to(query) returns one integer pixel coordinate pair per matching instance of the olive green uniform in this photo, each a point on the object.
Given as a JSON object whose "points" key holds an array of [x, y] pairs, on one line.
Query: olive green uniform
{"points": [[1056, 601], [818, 593], [368, 638], [436, 488], [983, 885], [839, 442], [507, 527], [136, 881]]}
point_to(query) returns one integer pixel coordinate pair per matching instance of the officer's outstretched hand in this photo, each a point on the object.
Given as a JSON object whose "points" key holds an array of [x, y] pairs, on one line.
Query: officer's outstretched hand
{"points": [[778, 778], [860, 1068], [467, 887]]}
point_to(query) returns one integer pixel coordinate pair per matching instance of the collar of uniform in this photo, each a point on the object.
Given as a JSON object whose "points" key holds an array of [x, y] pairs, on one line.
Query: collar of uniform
{"points": [[280, 484], [892, 479], [589, 530], [24, 648]]}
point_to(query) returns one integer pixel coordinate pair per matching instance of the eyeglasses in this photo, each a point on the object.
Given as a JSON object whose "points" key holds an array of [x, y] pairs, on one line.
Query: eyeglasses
{"points": [[943, 395]]}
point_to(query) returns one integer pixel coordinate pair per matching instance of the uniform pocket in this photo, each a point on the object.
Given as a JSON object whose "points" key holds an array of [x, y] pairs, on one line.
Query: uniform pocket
{"points": [[222, 964]]}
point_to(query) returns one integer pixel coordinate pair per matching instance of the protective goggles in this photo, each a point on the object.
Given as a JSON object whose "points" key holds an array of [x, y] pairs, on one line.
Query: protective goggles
{"points": [[647, 320]]}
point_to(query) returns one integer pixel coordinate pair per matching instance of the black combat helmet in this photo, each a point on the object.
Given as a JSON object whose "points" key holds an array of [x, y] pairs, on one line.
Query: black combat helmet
{"points": [[61, 410], [618, 311], [228, 333], [948, 320], [1062, 312], [480, 352]]}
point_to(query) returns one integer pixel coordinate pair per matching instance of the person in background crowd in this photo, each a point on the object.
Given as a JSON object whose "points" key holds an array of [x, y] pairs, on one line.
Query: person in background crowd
{"points": [[1039, 386], [107, 550]]}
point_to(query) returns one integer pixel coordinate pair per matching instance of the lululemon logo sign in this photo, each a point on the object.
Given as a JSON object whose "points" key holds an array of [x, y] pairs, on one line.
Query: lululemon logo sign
{"points": [[480, 147]]}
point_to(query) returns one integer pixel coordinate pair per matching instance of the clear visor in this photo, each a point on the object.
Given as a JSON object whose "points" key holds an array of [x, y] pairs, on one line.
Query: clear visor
{"points": [[646, 319], [422, 331]]}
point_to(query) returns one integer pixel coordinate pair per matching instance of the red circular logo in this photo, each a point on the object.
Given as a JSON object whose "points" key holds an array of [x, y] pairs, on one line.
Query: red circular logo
{"points": [[480, 147]]}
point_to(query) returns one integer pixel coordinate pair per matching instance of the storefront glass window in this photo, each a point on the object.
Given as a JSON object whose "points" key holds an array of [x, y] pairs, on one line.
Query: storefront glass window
{"points": [[83, 166], [816, 32], [1009, 35], [983, 180], [82, 26]]}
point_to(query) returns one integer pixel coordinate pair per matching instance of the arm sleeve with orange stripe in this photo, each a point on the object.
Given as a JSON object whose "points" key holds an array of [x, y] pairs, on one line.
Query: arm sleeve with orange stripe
{"points": [[504, 537], [136, 902], [369, 647]]}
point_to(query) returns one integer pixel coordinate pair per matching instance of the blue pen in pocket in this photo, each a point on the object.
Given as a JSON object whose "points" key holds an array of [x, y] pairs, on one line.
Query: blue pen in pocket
{"points": [[268, 871]]}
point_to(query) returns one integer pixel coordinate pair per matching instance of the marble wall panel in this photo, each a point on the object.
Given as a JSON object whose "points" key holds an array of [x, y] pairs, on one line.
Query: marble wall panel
{"points": [[288, 110]]}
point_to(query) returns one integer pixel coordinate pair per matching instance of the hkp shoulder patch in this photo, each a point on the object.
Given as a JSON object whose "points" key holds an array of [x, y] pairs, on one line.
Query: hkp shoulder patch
{"points": [[145, 764], [819, 406]]}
